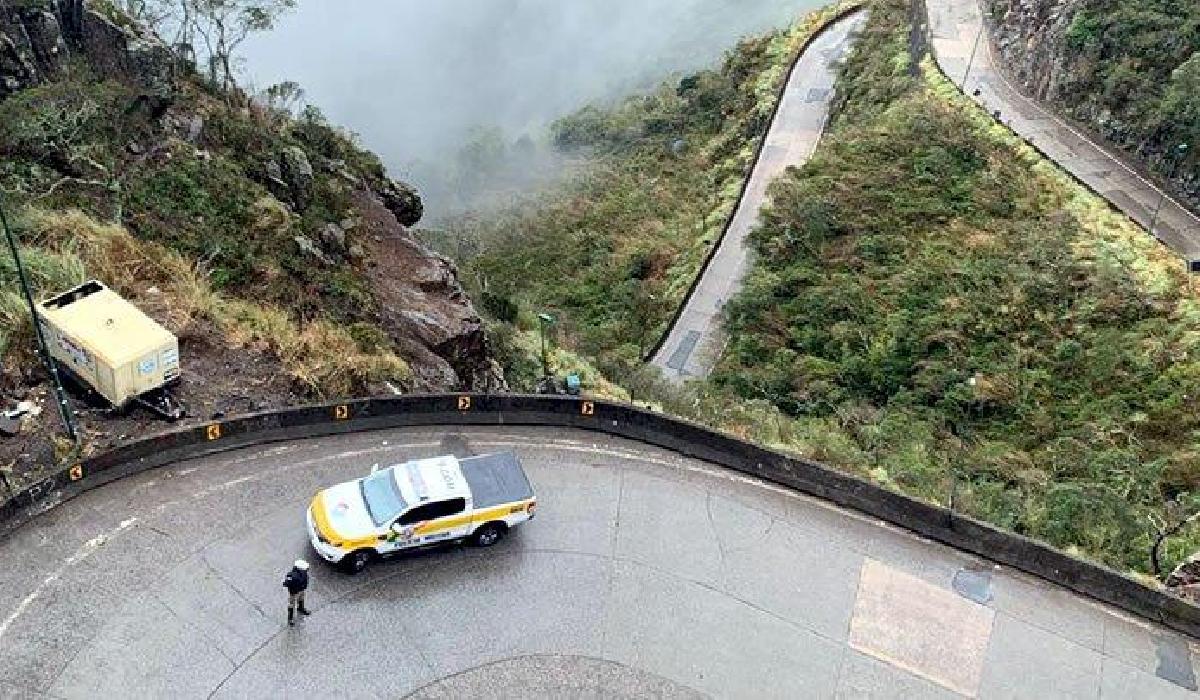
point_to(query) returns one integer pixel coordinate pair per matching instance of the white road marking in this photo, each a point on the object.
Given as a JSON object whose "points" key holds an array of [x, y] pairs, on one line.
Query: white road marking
{"points": [[80, 554]]}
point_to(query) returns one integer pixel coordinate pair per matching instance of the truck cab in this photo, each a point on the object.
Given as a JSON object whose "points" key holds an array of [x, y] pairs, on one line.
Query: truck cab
{"points": [[417, 504]]}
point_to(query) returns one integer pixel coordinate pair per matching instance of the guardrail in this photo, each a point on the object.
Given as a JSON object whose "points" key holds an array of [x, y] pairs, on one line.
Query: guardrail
{"points": [[624, 421]]}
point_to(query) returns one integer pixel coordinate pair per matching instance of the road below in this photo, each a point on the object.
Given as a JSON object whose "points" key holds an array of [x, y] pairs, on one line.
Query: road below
{"points": [[695, 341], [643, 574], [957, 29]]}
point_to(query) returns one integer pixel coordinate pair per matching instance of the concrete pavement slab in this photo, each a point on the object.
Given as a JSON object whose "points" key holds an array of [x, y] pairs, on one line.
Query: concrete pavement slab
{"points": [[865, 678], [797, 577], [1118, 680], [653, 528], [218, 612], [144, 650], [712, 643], [1051, 609], [925, 629], [582, 517], [1024, 661]]}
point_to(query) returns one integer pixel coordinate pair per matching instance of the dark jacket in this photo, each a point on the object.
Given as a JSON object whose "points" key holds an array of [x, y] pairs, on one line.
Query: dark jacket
{"points": [[296, 580]]}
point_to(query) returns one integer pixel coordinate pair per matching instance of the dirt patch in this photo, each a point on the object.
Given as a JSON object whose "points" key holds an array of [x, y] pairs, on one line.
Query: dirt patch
{"points": [[216, 380]]}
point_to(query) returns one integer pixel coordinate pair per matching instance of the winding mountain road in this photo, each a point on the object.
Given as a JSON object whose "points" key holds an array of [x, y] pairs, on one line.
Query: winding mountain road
{"points": [[644, 574], [957, 30], [695, 341]]}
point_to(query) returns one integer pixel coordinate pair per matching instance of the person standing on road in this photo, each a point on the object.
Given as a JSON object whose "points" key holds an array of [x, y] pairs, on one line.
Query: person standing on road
{"points": [[296, 583]]}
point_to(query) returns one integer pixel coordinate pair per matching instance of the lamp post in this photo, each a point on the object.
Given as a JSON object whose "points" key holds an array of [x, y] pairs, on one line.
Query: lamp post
{"points": [[1180, 153], [545, 320], [971, 60], [64, 410]]}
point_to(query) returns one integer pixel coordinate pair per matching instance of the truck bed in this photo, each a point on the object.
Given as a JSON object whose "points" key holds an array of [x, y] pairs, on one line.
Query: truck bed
{"points": [[496, 479]]}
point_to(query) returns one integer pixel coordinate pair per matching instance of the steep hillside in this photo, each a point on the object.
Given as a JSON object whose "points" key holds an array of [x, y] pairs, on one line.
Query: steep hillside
{"points": [[613, 252], [272, 244], [937, 308], [1127, 69]]}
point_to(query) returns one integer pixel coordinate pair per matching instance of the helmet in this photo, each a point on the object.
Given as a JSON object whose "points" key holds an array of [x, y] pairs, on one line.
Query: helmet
{"points": [[301, 564]]}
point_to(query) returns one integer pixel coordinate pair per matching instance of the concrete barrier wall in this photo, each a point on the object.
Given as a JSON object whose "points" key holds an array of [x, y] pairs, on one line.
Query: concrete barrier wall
{"points": [[620, 420]]}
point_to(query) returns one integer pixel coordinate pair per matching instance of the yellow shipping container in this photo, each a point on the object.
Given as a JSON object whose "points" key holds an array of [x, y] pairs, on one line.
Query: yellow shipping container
{"points": [[108, 343]]}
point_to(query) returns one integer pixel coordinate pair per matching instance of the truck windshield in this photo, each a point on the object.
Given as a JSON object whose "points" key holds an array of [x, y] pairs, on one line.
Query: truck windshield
{"points": [[382, 496]]}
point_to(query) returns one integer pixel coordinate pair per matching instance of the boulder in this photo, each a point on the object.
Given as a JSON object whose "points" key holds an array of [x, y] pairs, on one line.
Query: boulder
{"points": [[308, 247], [403, 201], [334, 238], [297, 174]]}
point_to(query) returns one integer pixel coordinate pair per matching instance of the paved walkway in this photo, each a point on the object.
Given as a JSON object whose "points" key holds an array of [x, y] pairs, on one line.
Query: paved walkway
{"points": [[957, 26], [696, 340], [644, 574]]}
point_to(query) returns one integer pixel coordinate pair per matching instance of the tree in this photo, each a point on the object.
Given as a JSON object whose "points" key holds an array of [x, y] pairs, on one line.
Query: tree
{"points": [[152, 13], [284, 97], [225, 24]]}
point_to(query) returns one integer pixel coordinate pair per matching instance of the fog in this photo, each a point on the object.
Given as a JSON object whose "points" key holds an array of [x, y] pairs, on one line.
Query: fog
{"points": [[417, 79]]}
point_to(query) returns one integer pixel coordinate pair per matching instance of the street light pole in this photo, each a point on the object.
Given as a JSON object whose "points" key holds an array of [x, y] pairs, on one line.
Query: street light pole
{"points": [[64, 410], [1181, 152], [543, 321], [971, 60]]}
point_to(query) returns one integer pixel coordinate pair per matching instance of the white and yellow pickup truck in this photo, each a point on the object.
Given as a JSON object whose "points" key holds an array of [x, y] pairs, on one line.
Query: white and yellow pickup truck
{"points": [[420, 503]]}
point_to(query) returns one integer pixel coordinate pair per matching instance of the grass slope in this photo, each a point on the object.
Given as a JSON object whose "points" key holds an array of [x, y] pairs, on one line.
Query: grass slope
{"points": [[613, 253], [935, 304]]}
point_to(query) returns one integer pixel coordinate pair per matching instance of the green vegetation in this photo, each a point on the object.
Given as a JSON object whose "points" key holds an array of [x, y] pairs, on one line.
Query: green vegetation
{"points": [[934, 307], [613, 253], [1138, 61], [206, 182]]}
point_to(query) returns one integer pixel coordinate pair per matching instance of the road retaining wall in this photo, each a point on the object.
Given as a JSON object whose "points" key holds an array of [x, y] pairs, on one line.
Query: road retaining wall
{"points": [[620, 420]]}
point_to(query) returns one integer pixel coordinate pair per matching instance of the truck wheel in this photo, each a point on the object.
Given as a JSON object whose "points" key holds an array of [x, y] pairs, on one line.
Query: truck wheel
{"points": [[356, 561], [488, 535]]}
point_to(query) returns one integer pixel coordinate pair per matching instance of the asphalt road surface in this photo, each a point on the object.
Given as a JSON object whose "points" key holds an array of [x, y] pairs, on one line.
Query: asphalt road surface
{"points": [[695, 342], [643, 574], [956, 26]]}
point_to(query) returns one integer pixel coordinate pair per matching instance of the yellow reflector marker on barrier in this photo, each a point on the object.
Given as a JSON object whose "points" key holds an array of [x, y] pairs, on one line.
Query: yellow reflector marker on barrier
{"points": [[213, 432], [76, 472], [464, 403], [587, 408], [341, 413]]}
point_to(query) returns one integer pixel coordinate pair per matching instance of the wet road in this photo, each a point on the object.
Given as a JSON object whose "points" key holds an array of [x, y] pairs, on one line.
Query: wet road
{"points": [[695, 342], [643, 574], [956, 26]]}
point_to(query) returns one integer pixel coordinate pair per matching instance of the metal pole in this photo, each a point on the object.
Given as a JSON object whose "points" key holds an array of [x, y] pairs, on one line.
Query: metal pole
{"points": [[971, 60], [1162, 193], [64, 410], [543, 321]]}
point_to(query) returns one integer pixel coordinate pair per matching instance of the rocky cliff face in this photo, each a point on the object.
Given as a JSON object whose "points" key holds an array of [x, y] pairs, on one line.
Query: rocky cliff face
{"points": [[38, 39], [1092, 63]]}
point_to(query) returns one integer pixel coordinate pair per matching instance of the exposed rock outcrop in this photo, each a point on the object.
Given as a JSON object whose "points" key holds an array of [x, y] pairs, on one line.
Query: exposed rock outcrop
{"points": [[1033, 38], [403, 201], [422, 305], [39, 37]]}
